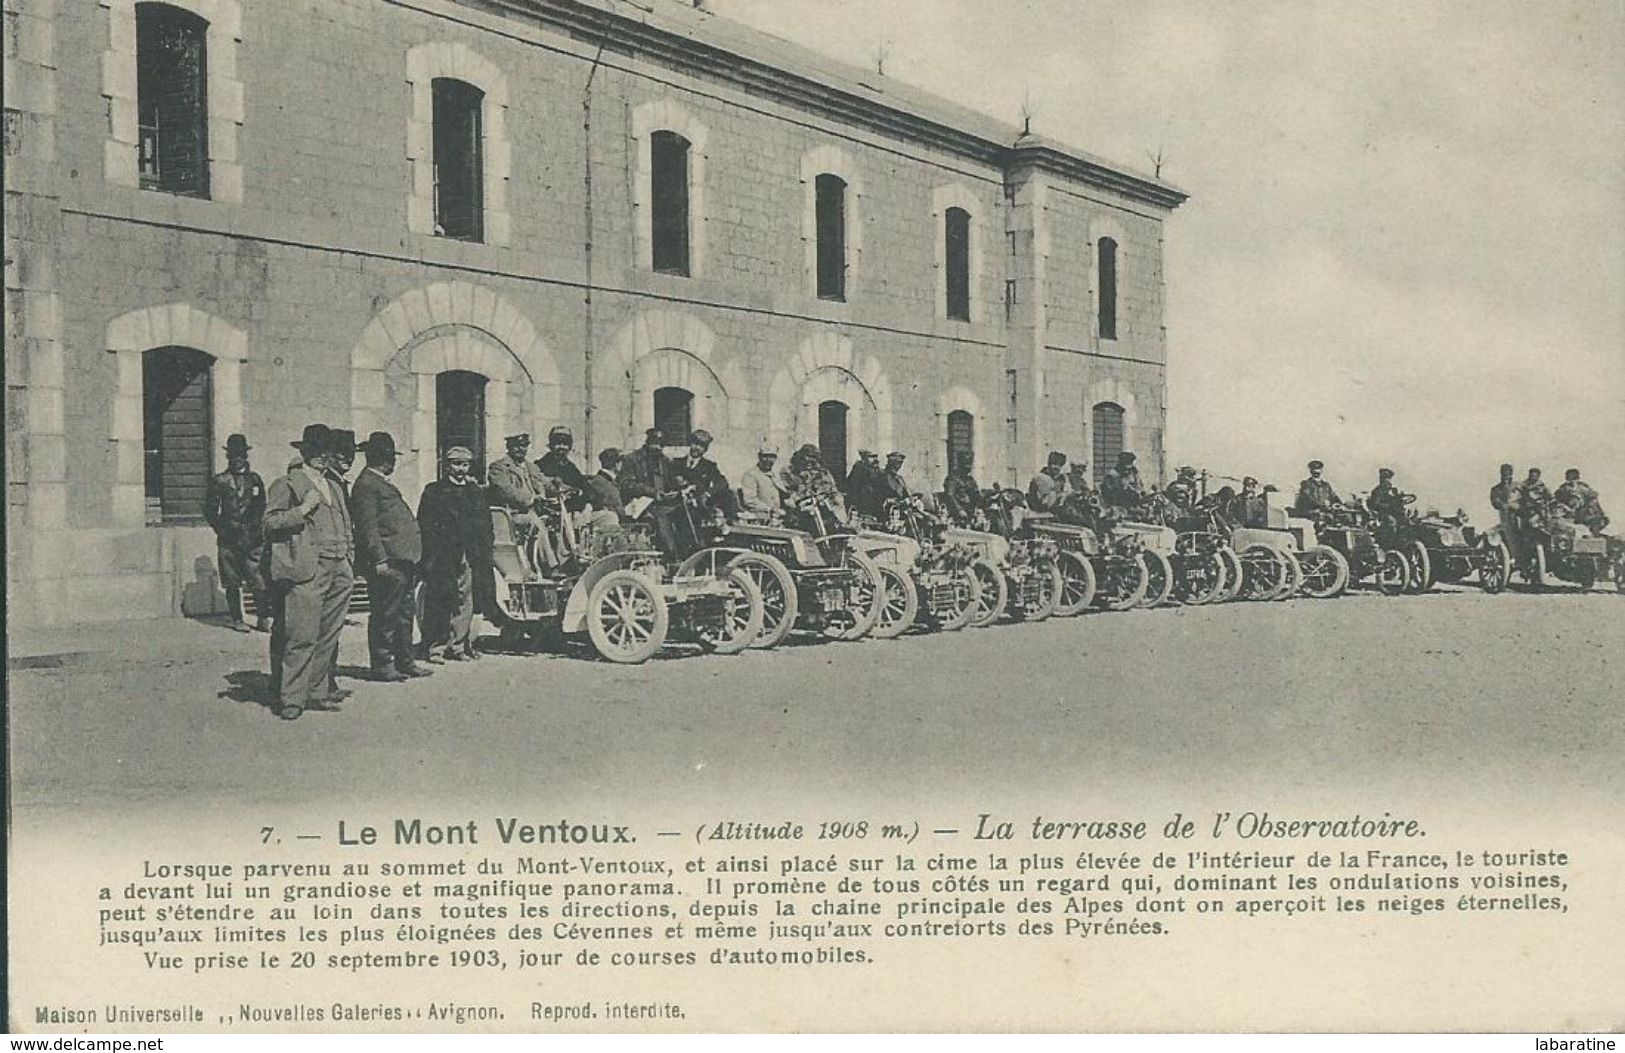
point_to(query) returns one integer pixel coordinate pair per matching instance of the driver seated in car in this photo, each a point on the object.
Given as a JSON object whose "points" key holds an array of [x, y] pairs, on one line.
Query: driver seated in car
{"points": [[1579, 501]]}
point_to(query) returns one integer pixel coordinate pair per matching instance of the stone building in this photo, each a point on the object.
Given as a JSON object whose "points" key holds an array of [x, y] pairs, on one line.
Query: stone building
{"points": [[456, 219]]}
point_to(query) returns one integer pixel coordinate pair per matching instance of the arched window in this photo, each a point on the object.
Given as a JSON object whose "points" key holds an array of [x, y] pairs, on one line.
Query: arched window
{"points": [[956, 264], [831, 226], [674, 415], [1107, 272], [961, 435], [171, 99], [668, 221], [1106, 426], [460, 415], [177, 397], [832, 437], [459, 163]]}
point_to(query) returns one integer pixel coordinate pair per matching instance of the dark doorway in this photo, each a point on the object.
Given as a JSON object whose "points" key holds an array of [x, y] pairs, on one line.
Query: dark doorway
{"points": [[961, 436], [459, 398], [674, 415], [177, 431], [832, 438]]}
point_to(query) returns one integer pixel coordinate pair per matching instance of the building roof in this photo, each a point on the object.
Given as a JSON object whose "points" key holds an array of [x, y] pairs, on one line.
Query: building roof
{"points": [[676, 33]]}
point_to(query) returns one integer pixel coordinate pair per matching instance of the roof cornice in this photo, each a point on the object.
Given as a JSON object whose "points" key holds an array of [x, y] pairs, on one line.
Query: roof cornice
{"points": [[597, 21]]}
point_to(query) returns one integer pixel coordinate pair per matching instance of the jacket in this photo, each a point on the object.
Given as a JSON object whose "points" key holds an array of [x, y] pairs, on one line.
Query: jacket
{"points": [[517, 486], [234, 505], [961, 495], [455, 523], [710, 485], [604, 493], [645, 472], [761, 491], [385, 529], [294, 541]]}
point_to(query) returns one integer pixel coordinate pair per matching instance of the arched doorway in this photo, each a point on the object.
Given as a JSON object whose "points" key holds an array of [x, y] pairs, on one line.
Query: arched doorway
{"points": [[177, 401], [460, 415], [832, 438], [1106, 428]]}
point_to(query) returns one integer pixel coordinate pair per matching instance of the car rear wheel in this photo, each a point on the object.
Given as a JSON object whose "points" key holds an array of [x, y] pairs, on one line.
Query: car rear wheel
{"points": [[1077, 584], [1325, 572], [741, 620], [991, 595], [780, 600], [901, 604], [1159, 578]]}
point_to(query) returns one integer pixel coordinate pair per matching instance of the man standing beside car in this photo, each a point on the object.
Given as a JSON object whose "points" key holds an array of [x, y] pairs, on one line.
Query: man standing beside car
{"points": [[388, 548], [457, 542]]}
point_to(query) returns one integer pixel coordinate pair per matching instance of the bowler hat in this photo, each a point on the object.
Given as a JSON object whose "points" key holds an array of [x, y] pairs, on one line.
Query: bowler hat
{"points": [[237, 443], [379, 444], [317, 438]]}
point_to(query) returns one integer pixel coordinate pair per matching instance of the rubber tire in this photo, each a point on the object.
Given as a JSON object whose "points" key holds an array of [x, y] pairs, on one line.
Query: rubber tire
{"points": [[1541, 573], [862, 625], [1421, 577], [1233, 575], [1494, 579], [741, 580], [769, 571], [1393, 572], [1252, 589], [1131, 599], [1077, 575], [1160, 582], [989, 605], [1292, 580], [1340, 574], [600, 635], [900, 582], [1215, 590]]}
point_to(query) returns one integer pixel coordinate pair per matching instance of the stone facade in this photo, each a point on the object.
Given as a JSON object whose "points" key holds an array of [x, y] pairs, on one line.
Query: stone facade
{"points": [[313, 278]]}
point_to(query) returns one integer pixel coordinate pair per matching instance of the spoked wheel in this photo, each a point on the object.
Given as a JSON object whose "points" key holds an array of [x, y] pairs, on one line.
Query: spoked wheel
{"points": [[1264, 572], [958, 611], [1235, 576], [780, 600], [1159, 578], [1123, 582], [626, 617], [864, 599], [1077, 584], [1049, 580], [1201, 579], [992, 592], [1325, 572], [742, 614], [1495, 567], [1421, 568], [1585, 574], [1293, 580], [901, 604]]}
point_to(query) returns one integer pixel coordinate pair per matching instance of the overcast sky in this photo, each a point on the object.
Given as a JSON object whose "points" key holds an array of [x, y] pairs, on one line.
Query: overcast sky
{"points": [[1405, 242]]}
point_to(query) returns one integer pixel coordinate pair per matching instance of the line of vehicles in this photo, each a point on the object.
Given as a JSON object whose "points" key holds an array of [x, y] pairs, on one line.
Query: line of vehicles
{"points": [[757, 583]]}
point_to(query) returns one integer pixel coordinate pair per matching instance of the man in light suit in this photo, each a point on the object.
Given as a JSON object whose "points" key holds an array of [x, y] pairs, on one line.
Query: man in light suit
{"points": [[388, 549], [309, 550]]}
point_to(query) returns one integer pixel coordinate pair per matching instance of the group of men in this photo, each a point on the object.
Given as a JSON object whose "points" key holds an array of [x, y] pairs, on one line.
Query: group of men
{"points": [[1526, 505]]}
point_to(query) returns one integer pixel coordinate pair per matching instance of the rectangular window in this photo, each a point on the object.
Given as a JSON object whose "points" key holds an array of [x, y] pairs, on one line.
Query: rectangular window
{"points": [[668, 223], [171, 100], [177, 431], [831, 223], [674, 415], [956, 240], [459, 166], [1108, 289]]}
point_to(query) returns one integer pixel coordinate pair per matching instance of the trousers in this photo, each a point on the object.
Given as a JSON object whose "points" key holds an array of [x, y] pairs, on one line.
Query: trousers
{"points": [[389, 626], [305, 634], [448, 608]]}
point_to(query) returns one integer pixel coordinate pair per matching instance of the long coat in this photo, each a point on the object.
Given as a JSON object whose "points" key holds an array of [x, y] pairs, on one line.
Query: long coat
{"points": [[645, 472], [455, 523], [385, 529]]}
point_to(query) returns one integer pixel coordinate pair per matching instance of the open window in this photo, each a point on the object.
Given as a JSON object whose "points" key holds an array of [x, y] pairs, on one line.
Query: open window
{"points": [[830, 206], [172, 99], [668, 221], [956, 264], [1107, 276], [459, 165]]}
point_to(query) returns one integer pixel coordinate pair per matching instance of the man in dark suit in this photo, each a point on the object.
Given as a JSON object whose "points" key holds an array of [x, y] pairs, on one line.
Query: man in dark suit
{"points": [[457, 540], [388, 548], [645, 471], [556, 464], [602, 488], [309, 551], [233, 504]]}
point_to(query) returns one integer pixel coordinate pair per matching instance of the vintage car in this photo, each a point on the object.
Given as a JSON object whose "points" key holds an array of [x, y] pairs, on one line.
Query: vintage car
{"points": [[909, 546], [1439, 548], [1016, 573], [1558, 547], [1348, 529]]}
